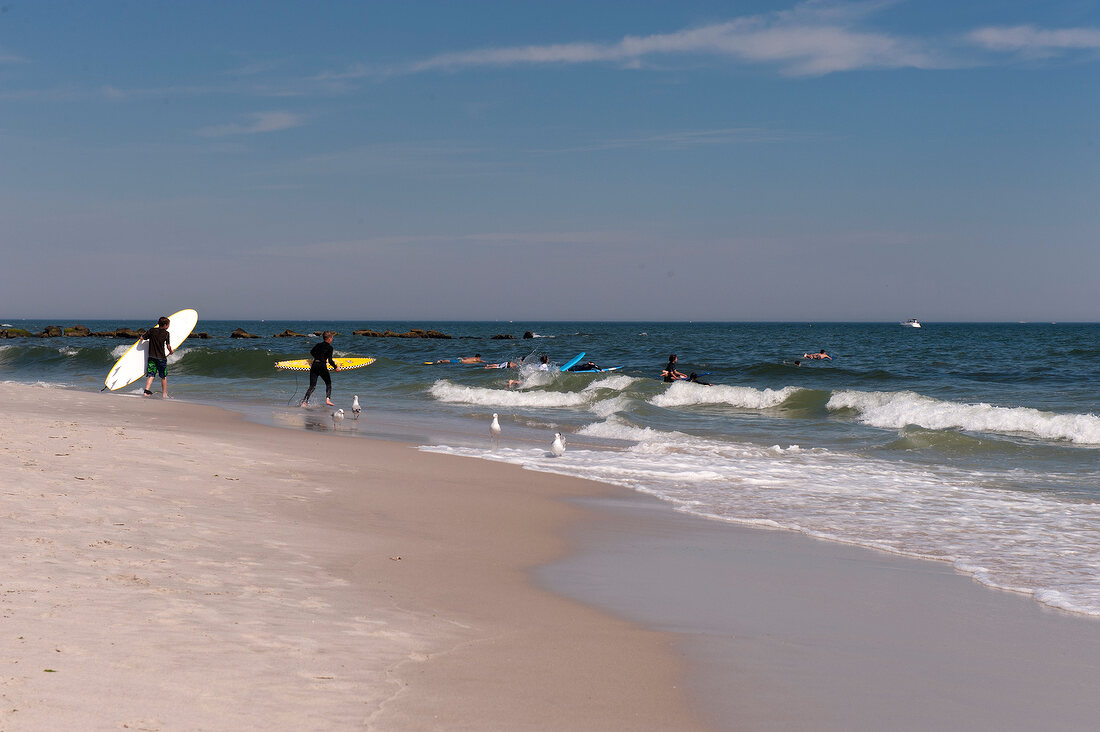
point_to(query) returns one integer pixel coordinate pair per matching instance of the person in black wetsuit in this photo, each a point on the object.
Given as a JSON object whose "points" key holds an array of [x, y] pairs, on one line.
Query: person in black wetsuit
{"points": [[671, 373], [322, 357], [590, 366]]}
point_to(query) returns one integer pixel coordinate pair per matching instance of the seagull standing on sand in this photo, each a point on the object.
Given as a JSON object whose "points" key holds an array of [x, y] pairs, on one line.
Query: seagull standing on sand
{"points": [[558, 445], [355, 406], [494, 429], [337, 416]]}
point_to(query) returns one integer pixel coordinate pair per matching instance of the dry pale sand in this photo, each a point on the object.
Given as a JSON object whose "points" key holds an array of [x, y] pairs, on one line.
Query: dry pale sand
{"points": [[172, 567]]}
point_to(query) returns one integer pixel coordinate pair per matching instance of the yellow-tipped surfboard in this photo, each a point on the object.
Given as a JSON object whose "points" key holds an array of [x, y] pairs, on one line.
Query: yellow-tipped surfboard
{"points": [[345, 363]]}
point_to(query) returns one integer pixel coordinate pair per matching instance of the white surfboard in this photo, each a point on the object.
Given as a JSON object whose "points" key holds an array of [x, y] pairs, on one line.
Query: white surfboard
{"points": [[131, 366]]}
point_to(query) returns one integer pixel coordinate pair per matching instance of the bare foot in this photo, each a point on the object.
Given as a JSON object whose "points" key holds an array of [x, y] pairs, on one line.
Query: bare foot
{"points": [[329, 402]]}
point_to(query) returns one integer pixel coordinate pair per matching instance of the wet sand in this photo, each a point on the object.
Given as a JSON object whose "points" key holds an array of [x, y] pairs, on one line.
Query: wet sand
{"points": [[786, 632]]}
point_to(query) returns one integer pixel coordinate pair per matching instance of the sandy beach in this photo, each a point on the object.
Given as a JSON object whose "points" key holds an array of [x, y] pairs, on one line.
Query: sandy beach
{"points": [[174, 567]]}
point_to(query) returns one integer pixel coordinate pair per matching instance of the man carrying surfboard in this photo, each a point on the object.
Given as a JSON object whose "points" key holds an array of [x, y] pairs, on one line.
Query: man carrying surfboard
{"points": [[322, 357], [157, 361]]}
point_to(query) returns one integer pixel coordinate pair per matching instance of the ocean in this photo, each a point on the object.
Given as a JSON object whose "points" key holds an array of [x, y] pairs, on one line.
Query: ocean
{"points": [[970, 443]]}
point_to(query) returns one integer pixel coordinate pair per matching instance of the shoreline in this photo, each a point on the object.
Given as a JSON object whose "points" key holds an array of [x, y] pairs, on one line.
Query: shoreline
{"points": [[609, 609], [176, 567]]}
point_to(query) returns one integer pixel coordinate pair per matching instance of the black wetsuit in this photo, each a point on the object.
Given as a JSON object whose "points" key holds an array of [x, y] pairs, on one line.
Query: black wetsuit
{"points": [[670, 370], [322, 357]]}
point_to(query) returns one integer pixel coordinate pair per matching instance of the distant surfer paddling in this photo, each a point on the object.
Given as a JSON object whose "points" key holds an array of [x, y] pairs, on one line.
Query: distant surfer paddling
{"points": [[322, 357], [819, 356], [157, 361]]}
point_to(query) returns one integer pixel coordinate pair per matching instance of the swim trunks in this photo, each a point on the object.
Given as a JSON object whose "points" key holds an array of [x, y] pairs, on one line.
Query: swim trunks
{"points": [[157, 366]]}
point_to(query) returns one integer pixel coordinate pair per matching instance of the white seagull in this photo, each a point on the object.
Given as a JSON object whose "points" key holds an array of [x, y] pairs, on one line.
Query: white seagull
{"points": [[337, 416], [558, 445], [494, 428], [355, 406]]}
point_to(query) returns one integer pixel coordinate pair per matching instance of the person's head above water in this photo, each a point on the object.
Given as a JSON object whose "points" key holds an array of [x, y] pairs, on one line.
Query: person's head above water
{"points": [[544, 358], [672, 358]]}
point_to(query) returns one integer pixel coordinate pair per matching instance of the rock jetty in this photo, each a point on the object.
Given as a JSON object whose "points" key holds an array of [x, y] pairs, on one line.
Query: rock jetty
{"points": [[412, 333], [82, 331]]}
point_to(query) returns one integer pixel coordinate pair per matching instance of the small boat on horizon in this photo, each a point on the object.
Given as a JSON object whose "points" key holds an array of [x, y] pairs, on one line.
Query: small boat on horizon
{"points": [[911, 323]]}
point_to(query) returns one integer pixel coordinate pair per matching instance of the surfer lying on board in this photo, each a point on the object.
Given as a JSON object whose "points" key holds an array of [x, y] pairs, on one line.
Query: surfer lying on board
{"points": [[670, 373], [476, 358], [695, 378], [590, 366], [322, 357], [504, 365], [817, 356], [157, 361]]}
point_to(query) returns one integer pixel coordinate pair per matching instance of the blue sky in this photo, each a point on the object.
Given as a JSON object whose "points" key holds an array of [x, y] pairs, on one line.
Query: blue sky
{"points": [[539, 161]]}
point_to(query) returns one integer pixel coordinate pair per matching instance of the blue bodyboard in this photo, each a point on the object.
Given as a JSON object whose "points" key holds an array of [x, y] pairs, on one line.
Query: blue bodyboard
{"points": [[571, 362]]}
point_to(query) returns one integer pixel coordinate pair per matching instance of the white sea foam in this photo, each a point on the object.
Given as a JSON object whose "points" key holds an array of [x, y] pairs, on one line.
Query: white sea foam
{"points": [[446, 391], [593, 396], [532, 377], [607, 407], [68, 351], [120, 349], [894, 410], [685, 393], [618, 382], [616, 428], [1026, 541]]}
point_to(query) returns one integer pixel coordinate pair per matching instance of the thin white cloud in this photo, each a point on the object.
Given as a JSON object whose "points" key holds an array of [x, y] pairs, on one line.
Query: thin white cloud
{"points": [[684, 139], [517, 240], [1031, 41], [812, 39], [260, 122]]}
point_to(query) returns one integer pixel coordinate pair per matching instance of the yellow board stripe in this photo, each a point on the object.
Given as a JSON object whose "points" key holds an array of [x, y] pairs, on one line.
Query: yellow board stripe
{"points": [[302, 364]]}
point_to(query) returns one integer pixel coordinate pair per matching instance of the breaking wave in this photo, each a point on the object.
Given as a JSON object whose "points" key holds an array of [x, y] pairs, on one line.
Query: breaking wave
{"points": [[895, 410], [683, 393]]}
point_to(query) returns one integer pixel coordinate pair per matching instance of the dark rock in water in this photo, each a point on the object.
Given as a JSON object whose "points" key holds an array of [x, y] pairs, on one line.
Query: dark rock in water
{"points": [[78, 331], [52, 331], [200, 335], [288, 333], [318, 333], [528, 334], [15, 333], [412, 333], [503, 337], [242, 333], [128, 333]]}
